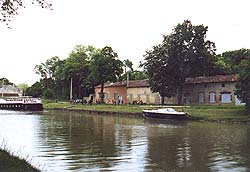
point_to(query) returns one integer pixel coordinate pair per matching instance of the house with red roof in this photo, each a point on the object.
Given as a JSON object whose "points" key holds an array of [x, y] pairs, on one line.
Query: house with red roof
{"points": [[112, 92]]}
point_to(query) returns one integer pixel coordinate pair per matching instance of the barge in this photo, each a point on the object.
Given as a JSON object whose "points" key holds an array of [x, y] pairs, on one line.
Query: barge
{"points": [[21, 103]]}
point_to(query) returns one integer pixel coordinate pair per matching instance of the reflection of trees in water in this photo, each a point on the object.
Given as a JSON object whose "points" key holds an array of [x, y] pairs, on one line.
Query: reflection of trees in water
{"points": [[199, 147], [90, 141]]}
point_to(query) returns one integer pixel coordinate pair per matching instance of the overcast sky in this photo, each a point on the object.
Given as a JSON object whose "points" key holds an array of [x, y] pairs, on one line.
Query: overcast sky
{"points": [[130, 27]]}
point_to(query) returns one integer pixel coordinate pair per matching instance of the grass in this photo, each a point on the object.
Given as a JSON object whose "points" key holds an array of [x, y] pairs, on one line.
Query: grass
{"points": [[11, 163], [209, 113]]}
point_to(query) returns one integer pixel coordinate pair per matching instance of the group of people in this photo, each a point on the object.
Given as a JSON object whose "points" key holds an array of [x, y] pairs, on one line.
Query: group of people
{"points": [[120, 101]]}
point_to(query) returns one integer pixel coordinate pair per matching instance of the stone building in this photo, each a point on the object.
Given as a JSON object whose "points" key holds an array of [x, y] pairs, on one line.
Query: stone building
{"points": [[216, 90], [212, 90], [10, 91]]}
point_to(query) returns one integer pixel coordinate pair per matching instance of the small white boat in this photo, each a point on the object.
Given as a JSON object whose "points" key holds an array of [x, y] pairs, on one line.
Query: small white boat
{"points": [[164, 113]]}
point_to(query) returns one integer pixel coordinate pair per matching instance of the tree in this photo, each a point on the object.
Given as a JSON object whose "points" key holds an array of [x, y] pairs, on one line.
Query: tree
{"points": [[105, 66], [77, 67], [36, 90], [184, 53], [23, 87], [243, 84], [5, 81], [48, 71], [10, 8], [232, 59]]}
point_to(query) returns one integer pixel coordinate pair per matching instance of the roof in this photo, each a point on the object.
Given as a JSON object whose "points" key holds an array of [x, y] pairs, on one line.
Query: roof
{"points": [[196, 80], [212, 79], [113, 84], [138, 83]]}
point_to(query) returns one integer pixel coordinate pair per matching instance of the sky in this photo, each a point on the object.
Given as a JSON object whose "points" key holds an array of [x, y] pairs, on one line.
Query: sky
{"points": [[130, 27]]}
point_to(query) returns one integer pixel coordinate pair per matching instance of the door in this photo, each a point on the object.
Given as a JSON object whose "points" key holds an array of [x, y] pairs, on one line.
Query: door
{"points": [[226, 98]]}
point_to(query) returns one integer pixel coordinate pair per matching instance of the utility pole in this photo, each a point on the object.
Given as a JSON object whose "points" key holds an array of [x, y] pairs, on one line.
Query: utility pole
{"points": [[71, 83], [127, 78]]}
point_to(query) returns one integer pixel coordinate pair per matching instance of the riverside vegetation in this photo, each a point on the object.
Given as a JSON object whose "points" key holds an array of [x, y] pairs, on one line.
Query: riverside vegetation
{"points": [[12, 163]]}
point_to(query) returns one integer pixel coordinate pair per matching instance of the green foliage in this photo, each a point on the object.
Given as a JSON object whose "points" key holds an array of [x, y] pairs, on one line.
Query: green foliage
{"points": [[243, 86], [232, 60], [105, 66], [86, 65], [36, 90], [5, 81], [48, 94], [48, 69], [184, 53], [134, 75], [56, 74], [23, 87]]}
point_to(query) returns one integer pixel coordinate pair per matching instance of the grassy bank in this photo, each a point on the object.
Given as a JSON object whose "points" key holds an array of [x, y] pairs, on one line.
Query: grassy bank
{"points": [[11, 163], [210, 113]]}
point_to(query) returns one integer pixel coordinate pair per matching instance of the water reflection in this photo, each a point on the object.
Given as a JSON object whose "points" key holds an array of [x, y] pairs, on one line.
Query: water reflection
{"points": [[81, 142]]}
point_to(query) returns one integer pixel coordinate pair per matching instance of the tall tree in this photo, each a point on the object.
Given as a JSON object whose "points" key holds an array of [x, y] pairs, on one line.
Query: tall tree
{"points": [[77, 67], [35, 90], [23, 87], [243, 85], [183, 53], [47, 72], [105, 66], [232, 59]]}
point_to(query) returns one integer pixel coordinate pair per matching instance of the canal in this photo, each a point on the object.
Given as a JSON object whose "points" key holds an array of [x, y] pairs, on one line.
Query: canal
{"points": [[72, 142]]}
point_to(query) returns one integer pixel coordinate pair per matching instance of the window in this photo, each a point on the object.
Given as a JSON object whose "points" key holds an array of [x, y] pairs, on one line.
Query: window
{"points": [[187, 98], [201, 98], [115, 96], [212, 97], [226, 98], [106, 95]]}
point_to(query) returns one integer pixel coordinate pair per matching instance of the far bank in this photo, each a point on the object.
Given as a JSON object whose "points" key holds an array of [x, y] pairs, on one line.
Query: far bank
{"points": [[207, 113]]}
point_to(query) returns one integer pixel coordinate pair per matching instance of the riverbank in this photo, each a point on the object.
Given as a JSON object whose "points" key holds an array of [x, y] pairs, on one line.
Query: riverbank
{"points": [[207, 113], [11, 163]]}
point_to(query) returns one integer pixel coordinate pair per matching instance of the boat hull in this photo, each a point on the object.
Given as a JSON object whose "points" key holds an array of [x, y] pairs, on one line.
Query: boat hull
{"points": [[22, 107], [164, 116]]}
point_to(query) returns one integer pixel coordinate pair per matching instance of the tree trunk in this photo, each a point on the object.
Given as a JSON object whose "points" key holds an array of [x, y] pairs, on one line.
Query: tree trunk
{"points": [[101, 93], [162, 100], [179, 96]]}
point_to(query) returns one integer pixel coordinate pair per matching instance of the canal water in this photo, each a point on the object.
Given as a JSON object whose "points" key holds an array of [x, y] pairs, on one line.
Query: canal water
{"points": [[72, 142]]}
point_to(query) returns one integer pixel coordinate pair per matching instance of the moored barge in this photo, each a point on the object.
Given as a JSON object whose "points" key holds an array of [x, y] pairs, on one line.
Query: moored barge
{"points": [[21, 103]]}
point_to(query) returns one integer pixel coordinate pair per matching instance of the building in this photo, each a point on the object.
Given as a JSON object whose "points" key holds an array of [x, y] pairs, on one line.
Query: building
{"points": [[10, 91], [112, 92], [216, 90], [212, 90], [139, 92]]}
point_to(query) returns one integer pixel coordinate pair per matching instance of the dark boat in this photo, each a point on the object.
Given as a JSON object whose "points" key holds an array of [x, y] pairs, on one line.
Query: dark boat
{"points": [[21, 103], [165, 113]]}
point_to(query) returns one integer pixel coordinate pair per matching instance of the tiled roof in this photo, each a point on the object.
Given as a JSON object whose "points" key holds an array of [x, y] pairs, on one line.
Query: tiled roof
{"points": [[212, 79], [138, 83], [196, 80], [113, 84]]}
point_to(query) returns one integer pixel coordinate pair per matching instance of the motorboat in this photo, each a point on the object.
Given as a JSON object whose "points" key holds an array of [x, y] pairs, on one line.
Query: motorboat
{"points": [[164, 113]]}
